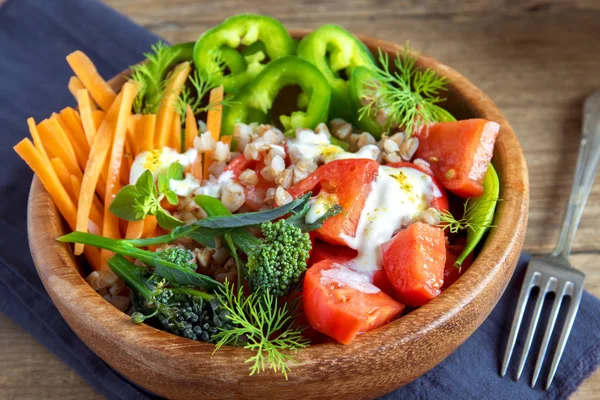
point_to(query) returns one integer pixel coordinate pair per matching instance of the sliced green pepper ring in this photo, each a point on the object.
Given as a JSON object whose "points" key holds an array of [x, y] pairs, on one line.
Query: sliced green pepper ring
{"points": [[481, 212], [232, 59], [255, 101], [242, 30], [359, 81], [336, 52]]}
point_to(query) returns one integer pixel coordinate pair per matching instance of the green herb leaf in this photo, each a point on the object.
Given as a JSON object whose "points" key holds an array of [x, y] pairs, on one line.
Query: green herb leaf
{"points": [[183, 276], [251, 218], [163, 184], [171, 197], [175, 171], [166, 220], [125, 205], [145, 184], [299, 219]]}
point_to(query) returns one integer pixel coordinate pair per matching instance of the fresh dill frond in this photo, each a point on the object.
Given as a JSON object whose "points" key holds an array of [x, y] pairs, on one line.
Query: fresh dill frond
{"points": [[264, 325], [407, 94], [150, 76], [474, 218]]}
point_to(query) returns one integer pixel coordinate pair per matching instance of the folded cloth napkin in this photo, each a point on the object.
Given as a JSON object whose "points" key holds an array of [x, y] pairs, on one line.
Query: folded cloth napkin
{"points": [[35, 37]]}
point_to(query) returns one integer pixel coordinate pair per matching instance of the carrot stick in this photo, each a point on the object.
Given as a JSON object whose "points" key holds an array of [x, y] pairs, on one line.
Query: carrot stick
{"points": [[96, 204], [176, 132], [39, 145], [166, 109], [213, 117], [74, 86], [213, 123], [95, 165], [135, 229], [113, 184], [132, 128], [71, 126], [150, 224], [57, 146], [27, 151], [147, 126], [191, 128], [85, 110], [197, 167], [87, 73], [227, 139], [125, 164], [98, 117]]}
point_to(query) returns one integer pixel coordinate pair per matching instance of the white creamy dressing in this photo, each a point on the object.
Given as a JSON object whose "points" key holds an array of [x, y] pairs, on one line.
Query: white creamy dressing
{"points": [[396, 199], [158, 161], [319, 206], [344, 276], [308, 145]]}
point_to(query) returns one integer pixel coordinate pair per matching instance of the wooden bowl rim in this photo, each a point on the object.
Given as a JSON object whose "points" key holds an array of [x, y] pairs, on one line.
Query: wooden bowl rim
{"points": [[511, 217]]}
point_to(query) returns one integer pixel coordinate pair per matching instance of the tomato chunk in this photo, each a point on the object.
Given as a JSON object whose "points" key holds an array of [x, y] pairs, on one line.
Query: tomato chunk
{"points": [[342, 309], [452, 273], [350, 181], [414, 263], [459, 153], [322, 251], [439, 203]]}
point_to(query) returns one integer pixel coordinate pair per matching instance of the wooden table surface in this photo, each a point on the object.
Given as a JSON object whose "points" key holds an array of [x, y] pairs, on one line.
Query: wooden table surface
{"points": [[536, 59]]}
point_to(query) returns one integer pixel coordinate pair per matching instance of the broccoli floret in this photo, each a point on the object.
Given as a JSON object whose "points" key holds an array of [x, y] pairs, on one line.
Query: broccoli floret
{"points": [[182, 257], [279, 259]]}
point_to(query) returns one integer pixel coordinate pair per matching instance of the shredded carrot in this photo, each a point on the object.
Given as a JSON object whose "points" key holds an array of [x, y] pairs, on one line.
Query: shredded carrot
{"points": [[70, 124], [150, 224], [87, 73], [27, 151], [227, 139], [197, 167], [58, 145], [39, 145], [214, 115], [85, 110], [191, 128], [213, 123], [92, 255], [95, 165], [111, 222], [132, 129], [135, 229], [126, 164], [74, 86], [166, 109], [98, 117], [96, 204], [147, 126], [176, 132]]}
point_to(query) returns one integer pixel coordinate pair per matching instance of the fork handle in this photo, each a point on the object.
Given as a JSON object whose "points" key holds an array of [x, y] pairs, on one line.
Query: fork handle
{"points": [[587, 163]]}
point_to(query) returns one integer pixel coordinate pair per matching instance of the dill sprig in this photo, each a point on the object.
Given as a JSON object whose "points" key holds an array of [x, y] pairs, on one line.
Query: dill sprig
{"points": [[474, 218], [265, 326], [150, 77], [407, 94]]}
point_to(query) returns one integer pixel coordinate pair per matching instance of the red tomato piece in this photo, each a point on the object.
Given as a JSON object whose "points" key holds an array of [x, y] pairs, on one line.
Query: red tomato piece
{"points": [[341, 311], [439, 203], [459, 153], [452, 273], [414, 263], [350, 181], [322, 250], [239, 165]]}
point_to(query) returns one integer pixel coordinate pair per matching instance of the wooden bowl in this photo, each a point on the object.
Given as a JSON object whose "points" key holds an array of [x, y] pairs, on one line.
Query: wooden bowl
{"points": [[372, 365]]}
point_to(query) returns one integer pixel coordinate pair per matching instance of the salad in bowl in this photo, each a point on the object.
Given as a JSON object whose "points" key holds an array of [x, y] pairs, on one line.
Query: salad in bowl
{"points": [[252, 190]]}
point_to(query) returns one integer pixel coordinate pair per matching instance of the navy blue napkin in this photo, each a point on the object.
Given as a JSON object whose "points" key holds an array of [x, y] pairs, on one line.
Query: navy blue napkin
{"points": [[35, 37]]}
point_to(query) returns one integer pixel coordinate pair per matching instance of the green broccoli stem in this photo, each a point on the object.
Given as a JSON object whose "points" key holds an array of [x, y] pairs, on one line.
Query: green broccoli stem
{"points": [[147, 257]]}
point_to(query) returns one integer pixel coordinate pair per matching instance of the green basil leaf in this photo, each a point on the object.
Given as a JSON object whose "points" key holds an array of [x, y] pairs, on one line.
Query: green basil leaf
{"points": [[247, 219], [145, 184], [175, 171], [166, 220], [171, 197], [163, 184], [126, 204]]}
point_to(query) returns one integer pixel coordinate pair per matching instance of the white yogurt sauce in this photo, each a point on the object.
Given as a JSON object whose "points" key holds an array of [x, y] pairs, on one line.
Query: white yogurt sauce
{"points": [[344, 276], [397, 197], [308, 145], [319, 206]]}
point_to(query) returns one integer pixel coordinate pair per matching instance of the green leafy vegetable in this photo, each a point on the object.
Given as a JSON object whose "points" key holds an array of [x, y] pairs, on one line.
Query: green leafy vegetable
{"points": [[263, 325], [408, 95], [150, 77], [135, 202]]}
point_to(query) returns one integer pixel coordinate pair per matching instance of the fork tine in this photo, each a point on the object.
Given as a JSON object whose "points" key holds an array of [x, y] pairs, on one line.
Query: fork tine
{"points": [[564, 335], [544, 289], [560, 292], [528, 283]]}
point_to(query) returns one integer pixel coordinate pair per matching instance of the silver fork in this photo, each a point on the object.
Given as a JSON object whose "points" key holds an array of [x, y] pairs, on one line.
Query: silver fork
{"points": [[554, 273]]}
